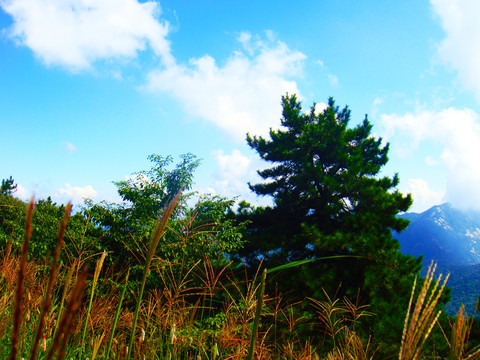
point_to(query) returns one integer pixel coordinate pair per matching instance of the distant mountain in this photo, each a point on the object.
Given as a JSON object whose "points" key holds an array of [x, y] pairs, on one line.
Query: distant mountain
{"points": [[451, 238], [443, 234]]}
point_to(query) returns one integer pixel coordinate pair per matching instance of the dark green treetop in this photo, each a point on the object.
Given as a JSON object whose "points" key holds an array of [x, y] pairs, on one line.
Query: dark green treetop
{"points": [[8, 186], [325, 175]]}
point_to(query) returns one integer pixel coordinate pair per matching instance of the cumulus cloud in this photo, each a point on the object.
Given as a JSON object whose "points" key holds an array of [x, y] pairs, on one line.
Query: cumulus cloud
{"points": [[75, 33], [458, 133], [241, 96], [423, 197], [320, 107], [76, 194], [461, 46], [22, 193], [234, 172]]}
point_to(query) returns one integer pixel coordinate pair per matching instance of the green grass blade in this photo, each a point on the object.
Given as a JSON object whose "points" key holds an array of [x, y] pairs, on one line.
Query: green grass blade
{"points": [[64, 295], [98, 268], [303, 262], [258, 313]]}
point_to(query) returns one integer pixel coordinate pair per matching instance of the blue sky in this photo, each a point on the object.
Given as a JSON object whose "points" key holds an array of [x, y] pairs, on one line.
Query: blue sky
{"points": [[90, 88]]}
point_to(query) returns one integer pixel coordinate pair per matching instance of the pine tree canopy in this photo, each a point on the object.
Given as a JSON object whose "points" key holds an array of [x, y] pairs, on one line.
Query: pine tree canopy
{"points": [[8, 186], [330, 199], [325, 174]]}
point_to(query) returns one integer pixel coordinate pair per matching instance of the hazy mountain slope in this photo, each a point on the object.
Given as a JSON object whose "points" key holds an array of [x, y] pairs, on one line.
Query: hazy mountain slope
{"points": [[443, 234], [451, 238], [465, 284]]}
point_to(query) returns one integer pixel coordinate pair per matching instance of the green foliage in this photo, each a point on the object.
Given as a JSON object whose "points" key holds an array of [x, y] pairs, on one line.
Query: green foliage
{"points": [[81, 237], [128, 225], [192, 233], [204, 231], [144, 196], [207, 310], [330, 200], [12, 219], [8, 186]]}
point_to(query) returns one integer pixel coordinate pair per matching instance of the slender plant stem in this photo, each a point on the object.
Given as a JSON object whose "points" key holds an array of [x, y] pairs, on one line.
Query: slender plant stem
{"points": [[20, 282], [258, 313], [157, 234], [51, 280], [66, 322], [64, 295], [117, 315], [98, 268]]}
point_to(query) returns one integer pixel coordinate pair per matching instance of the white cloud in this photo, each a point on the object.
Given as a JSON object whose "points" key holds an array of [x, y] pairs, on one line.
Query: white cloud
{"points": [[75, 33], [423, 197], [234, 172], [431, 161], [244, 95], [69, 147], [458, 133], [22, 193], [461, 46], [333, 80], [320, 107], [76, 194]]}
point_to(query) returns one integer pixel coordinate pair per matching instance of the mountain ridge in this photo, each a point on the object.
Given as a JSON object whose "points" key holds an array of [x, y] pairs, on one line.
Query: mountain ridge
{"points": [[444, 234], [451, 238]]}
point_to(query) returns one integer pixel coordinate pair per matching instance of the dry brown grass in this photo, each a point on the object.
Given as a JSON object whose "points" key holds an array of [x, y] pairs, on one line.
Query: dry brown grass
{"points": [[206, 311], [458, 343], [420, 322], [338, 319], [20, 284]]}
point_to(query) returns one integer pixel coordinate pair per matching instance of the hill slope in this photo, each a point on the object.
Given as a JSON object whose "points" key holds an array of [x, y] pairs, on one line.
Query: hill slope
{"points": [[443, 234], [451, 238]]}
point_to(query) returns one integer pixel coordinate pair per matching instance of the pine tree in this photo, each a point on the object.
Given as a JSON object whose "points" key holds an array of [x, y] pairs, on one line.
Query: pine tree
{"points": [[8, 186], [330, 200]]}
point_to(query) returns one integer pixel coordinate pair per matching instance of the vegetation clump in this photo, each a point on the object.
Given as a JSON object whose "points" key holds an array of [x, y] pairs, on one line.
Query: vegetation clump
{"points": [[154, 277]]}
